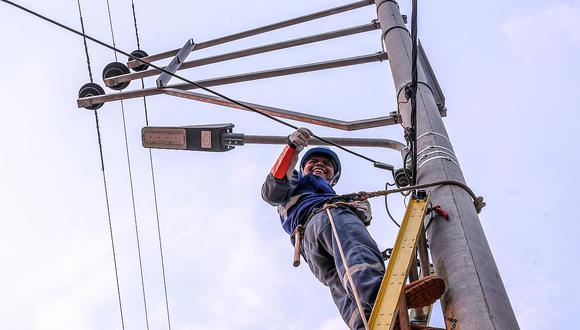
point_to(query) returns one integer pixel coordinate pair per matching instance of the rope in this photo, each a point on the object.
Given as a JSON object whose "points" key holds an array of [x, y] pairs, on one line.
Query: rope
{"points": [[130, 178], [327, 207], [478, 202], [104, 176], [245, 106], [153, 181]]}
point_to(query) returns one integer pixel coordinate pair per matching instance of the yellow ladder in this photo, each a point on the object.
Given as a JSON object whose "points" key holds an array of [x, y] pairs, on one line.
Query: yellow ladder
{"points": [[391, 293]]}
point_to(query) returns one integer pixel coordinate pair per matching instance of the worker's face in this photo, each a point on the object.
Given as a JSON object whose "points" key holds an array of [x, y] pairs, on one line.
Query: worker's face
{"points": [[321, 166]]}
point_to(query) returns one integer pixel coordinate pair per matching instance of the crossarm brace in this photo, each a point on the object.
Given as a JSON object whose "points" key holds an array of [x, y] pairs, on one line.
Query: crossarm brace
{"points": [[281, 113]]}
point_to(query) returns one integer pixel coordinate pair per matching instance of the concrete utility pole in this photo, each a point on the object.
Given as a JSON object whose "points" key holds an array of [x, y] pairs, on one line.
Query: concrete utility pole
{"points": [[475, 296]]}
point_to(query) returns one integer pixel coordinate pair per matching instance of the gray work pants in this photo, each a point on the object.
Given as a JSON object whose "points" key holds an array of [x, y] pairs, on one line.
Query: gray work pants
{"points": [[363, 257]]}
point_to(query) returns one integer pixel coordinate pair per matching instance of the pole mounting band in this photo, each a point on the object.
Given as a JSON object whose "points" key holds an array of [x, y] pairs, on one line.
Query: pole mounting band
{"points": [[384, 35]]}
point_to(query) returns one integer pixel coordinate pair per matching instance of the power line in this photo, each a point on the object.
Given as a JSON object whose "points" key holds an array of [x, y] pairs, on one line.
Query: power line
{"points": [[104, 175], [375, 163], [130, 179], [153, 181]]}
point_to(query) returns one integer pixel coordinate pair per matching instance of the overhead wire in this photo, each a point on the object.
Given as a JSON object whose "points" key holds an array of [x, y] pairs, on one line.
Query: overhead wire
{"points": [[132, 189], [135, 24], [85, 43], [245, 106], [153, 180], [104, 175]]}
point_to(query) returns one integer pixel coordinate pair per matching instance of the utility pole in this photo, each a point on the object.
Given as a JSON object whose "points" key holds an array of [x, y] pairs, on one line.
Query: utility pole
{"points": [[475, 297]]}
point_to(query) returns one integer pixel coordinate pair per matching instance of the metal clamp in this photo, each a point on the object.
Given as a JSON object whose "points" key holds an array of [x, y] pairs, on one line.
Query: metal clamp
{"points": [[418, 83], [434, 147], [451, 156], [384, 35], [175, 64], [433, 133], [437, 152], [429, 147], [437, 157]]}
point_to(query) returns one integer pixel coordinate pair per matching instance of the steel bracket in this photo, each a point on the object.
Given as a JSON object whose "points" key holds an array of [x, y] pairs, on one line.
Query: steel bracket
{"points": [[175, 63]]}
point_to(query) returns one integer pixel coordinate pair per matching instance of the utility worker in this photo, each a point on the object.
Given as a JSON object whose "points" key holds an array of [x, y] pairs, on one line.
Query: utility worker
{"points": [[300, 197]]}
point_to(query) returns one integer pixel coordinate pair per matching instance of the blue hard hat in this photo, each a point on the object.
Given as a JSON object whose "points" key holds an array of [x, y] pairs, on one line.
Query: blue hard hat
{"points": [[325, 152]]}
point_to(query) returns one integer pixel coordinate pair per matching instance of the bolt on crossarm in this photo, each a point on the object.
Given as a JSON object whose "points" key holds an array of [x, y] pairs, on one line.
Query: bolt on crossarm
{"points": [[476, 297]]}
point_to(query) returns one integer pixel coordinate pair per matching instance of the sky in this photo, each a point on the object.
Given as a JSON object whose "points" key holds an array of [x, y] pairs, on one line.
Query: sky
{"points": [[510, 76]]}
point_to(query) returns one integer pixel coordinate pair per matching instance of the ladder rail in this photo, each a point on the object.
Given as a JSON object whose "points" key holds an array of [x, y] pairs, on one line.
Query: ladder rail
{"points": [[392, 287]]}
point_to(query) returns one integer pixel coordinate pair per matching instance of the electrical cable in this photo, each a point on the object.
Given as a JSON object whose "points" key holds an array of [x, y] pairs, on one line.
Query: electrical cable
{"points": [[104, 175], [387, 207], [413, 93], [135, 24], [375, 163], [153, 181], [132, 189], [85, 43], [406, 193], [411, 96]]}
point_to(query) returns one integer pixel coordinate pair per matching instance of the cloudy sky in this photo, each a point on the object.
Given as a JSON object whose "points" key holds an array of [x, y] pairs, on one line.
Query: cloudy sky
{"points": [[510, 75]]}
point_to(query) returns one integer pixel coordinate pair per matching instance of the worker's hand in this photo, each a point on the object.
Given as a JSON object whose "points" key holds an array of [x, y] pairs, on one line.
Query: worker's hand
{"points": [[299, 138], [363, 210]]}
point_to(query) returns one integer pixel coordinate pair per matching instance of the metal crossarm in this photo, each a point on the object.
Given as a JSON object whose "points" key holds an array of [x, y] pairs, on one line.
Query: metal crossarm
{"points": [[112, 81], [259, 30], [392, 287], [88, 101]]}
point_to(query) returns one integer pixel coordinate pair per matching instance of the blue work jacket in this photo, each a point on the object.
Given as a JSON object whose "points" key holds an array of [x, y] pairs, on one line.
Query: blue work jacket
{"points": [[296, 198]]}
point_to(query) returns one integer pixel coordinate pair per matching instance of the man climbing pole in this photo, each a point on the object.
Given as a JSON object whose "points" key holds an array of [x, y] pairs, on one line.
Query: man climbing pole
{"points": [[300, 197]]}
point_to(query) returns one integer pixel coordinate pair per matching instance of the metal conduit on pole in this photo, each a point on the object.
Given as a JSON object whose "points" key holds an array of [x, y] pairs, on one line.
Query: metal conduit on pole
{"points": [[476, 297]]}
